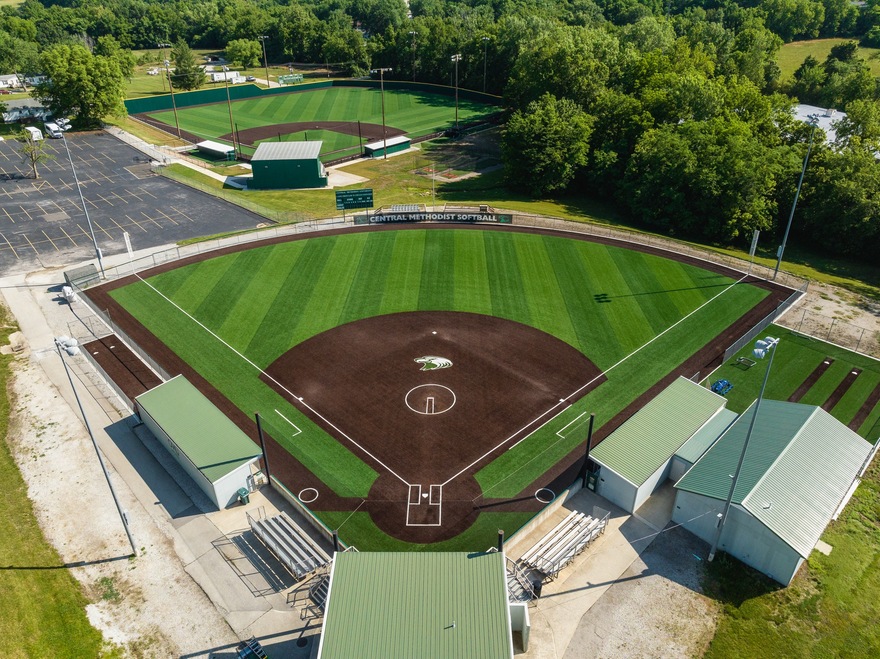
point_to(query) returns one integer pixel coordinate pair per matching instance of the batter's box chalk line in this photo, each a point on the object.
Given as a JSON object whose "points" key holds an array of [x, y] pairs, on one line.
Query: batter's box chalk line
{"points": [[418, 503]]}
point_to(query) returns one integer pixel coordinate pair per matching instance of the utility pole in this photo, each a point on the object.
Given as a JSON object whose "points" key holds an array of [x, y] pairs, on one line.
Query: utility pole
{"points": [[381, 73], [813, 120], [163, 46], [412, 33], [262, 39], [485, 52]]}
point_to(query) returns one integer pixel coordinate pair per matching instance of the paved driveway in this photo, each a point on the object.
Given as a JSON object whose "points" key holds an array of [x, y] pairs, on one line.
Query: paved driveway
{"points": [[42, 223]]}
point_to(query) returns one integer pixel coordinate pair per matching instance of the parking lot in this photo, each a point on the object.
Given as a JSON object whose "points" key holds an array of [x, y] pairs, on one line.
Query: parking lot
{"points": [[42, 222]]}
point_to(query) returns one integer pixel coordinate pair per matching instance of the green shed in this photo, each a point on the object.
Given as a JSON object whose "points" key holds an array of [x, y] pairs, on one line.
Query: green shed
{"points": [[390, 145], [204, 441], [417, 604], [285, 165]]}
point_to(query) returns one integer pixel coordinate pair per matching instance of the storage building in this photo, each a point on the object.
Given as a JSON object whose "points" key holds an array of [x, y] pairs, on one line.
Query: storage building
{"points": [[391, 145], [204, 441], [286, 165], [636, 458], [800, 467]]}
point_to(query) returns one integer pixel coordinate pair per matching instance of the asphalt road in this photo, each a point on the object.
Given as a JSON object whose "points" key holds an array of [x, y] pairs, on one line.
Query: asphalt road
{"points": [[42, 222]]}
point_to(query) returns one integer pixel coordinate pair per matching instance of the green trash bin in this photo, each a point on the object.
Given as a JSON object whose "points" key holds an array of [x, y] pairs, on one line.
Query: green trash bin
{"points": [[244, 495]]}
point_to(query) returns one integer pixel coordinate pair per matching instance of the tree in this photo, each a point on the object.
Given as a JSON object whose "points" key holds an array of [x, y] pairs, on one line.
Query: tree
{"points": [[544, 146], [33, 151], [78, 83], [187, 74], [244, 52], [108, 46]]}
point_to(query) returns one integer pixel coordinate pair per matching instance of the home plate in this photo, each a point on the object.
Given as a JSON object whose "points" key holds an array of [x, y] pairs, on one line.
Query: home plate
{"points": [[425, 495], [424, 508]]}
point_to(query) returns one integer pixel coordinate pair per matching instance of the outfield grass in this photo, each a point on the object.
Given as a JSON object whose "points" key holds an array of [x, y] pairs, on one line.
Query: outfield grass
{"points": [[796, 357], [266, 300], [416, 113], [43, 605], [793, 54]]}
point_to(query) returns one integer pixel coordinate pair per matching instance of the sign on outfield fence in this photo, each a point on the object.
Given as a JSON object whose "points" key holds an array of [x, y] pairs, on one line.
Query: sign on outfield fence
{"points": [[348, 199], [421, 216]]}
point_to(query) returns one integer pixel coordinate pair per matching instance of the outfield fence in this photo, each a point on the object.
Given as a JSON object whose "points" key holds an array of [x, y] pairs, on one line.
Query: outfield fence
{"points": [[834, 330]]}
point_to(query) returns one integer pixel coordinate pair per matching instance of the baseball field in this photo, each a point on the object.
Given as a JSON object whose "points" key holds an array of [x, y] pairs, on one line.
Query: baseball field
{"points": [[342, 117], [420, 384]]}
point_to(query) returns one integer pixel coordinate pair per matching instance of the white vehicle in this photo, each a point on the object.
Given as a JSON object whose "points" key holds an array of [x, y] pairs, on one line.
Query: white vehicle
{"points": [[53, 130], [34, 133]]}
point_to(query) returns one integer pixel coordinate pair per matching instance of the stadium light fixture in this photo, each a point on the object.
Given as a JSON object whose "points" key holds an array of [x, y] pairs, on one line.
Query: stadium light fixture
{"points": [[381, 73], [762, 348], [456, 58], [229, 106], [71, 347], [64, 125], [813, 120], [263, 39]]}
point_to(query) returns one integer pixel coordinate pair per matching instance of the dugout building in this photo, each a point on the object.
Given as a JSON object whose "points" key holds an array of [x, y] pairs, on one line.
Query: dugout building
{"points": [[287, 165]]}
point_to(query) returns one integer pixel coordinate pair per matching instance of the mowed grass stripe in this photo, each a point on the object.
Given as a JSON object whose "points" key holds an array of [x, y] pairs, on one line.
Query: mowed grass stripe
{"points": [[825, 385], [436, 292], [247, 313], [215, 309], [203, 277], [273, 337], [505, 279], [546, 303], [578, 283], [402, 286], [369, 281], [327, 302], [471, 291]]}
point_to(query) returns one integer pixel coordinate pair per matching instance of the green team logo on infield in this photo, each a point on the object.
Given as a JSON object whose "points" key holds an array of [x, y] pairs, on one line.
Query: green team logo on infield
{"points": [[430, 363]]}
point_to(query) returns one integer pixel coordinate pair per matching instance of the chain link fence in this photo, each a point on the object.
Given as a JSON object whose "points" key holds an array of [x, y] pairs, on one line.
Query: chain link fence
{"points": [[834, 330]]}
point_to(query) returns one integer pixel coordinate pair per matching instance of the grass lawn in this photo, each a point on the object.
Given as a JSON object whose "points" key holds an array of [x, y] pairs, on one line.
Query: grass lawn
{"points": [[796, 358], [416, 113], [604, 301], [43, 605], [793, 54]]}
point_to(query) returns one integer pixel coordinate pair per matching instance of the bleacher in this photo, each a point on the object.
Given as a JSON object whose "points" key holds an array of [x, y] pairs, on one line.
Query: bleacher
{"points": [[565, 541], [290, 544]]}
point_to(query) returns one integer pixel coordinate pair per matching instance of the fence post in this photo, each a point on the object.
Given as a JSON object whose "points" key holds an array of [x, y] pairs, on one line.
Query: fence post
{"points": [[830, 329]]}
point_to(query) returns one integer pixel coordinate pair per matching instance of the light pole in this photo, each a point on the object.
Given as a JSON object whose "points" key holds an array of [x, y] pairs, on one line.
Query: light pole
{"points": [[381, 73], [762, 347], [412, 33], [70, 347], [229, 105], [456, 58], [163, 46], [64, 125], [813, 120], [262, 39], [485, 53], [173, 104]]}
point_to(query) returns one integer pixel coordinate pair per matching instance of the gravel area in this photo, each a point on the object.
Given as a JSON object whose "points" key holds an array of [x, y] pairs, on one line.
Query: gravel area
{"points": [[655, 609]]}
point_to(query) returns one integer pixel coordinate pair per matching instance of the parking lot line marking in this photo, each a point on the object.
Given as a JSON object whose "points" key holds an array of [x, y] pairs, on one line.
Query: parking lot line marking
{"points": [[147, 192], [136, 223], [95, 223], [122, 199], [50, 240], [25, 236], [147, 217], [83, 232], [60, 209], [24, 210], [177, 210], [11, 219], [166, 215], [121, 228], [10, 246], [110, 203], [69, 237]]}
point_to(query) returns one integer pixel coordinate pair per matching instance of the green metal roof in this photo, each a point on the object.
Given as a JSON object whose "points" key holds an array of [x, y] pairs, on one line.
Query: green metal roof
{"points": [[653, 434], [214, 444], [693, 449], [417, 604], [799, 464]]}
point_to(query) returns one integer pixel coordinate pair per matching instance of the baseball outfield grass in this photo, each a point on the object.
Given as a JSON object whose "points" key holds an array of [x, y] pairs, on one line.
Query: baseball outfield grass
{"points": [[412, 112], [620, 308]]}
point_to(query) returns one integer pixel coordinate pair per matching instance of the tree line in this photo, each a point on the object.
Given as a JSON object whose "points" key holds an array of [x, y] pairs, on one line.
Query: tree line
{"points": [[676, 110]]}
